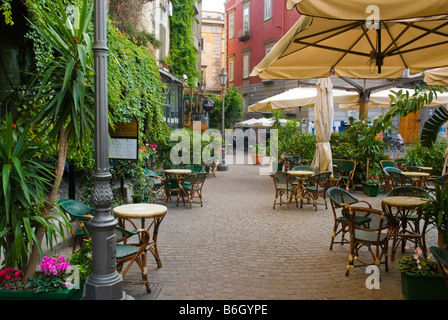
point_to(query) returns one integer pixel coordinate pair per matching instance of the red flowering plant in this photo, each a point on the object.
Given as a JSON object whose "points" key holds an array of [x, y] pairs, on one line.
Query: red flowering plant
{"points": [[373, 180], [10, 279], [147, 152]]}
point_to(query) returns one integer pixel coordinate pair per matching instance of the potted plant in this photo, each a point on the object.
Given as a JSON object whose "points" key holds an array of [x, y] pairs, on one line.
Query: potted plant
{"points": [[258, 153], [53, 282], [371, 187], [420, 279]]}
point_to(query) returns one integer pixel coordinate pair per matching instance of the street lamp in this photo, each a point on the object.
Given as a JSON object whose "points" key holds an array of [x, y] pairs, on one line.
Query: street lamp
{"points": [[223, 80], [104, 283]]}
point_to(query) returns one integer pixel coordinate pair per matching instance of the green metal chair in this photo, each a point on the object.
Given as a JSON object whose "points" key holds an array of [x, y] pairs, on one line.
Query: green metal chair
{"points": [[193, 186], [316, 186], [398, 179], [441, 257], [344, 173], [340, 198], [284, 186], [408, 218], [385, 177], [127, 252]]}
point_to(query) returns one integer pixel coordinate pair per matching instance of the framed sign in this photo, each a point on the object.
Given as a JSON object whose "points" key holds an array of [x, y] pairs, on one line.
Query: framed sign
{"points": [[208, 105], [124, 140]]}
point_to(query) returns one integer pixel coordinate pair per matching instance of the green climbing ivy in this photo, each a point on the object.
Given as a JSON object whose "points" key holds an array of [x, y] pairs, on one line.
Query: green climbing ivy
{"points": [[183, 53], [5, 8]]}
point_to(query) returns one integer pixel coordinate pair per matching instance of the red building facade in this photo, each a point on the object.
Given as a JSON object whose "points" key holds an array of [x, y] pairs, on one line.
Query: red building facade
{"points": [[253, 27]]}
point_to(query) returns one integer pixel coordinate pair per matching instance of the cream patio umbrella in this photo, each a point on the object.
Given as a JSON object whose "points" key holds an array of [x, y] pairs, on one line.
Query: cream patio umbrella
{"points": [[323, 122], [301, 97], [436, 77]]}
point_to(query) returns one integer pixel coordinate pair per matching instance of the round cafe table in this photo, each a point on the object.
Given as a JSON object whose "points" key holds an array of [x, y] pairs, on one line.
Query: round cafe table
{"points": [[143, 211], [179, 175], [420, 176], [300, 175], [408, 221]]}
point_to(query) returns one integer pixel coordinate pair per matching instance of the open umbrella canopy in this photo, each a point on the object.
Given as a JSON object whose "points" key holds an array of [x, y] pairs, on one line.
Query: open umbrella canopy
{"points": [[301, 97], [317, 47], [257, 123], [381, 99], [361, 9], [436, 77]]}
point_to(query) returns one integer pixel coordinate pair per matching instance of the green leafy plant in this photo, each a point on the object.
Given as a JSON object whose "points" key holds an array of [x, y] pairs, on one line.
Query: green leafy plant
{"points": [[435, 212], [373, 180], [25, 177], [233, 109], [259, 149], [417, 263], [82, 258]]}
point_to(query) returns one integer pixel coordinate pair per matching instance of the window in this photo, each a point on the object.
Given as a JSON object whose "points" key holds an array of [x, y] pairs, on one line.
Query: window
{"points": [[231, 69], [267, 9], [246, 65], [268, 47], [246, 17], [231, 24]]}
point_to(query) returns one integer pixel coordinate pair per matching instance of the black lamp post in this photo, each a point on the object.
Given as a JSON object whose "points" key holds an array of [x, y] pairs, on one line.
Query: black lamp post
{"points": [[223, 80]]}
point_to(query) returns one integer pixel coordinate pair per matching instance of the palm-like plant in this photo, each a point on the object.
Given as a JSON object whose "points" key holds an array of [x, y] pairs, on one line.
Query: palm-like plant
{"points": [[65, 84], [26, 175]]}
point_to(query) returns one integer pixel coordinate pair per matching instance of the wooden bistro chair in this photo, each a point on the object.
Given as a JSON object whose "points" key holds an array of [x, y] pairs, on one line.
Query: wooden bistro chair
{"points": [[340, 198], [408, 218], [316, 187], [193, 186], [432, 180], [373, 236], [344, 173], [159, 183], [284, 186], [385, 177], [127, 251]]}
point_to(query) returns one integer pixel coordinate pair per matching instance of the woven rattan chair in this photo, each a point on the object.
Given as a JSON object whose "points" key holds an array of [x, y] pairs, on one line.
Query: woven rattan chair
{"points": [[385, 177], [80, 213], [374, 237], [159, 183], [193, 186], [441, 257], [430, 182], [127, 251], [409, 219], [196, 168], [284, 186], [344, 173], [316, 187], [340, 198], [398, 179]]}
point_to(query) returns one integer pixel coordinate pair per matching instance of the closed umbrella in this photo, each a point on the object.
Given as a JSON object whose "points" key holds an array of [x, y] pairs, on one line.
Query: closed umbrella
{"points": [[323, 122]]}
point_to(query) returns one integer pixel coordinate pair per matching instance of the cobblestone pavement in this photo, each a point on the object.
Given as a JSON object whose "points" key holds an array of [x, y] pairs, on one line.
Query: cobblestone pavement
{"points": [[237, 247]]}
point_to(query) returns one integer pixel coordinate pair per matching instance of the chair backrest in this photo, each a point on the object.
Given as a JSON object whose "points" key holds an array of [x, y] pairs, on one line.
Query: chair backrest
{"points": [[198, 179], [76, 209], [319, 178], [398, 178], [374, 231], [197, 168], [389, 169], [304, 168], [339, 195], [388, 164], [440, 255], [442, 180], [281, 177], [345, 166], [409, 191]]}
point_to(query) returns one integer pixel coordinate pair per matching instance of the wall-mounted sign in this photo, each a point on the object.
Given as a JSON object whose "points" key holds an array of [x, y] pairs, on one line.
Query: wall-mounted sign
{"points": [[208, 105], [124, 141]]}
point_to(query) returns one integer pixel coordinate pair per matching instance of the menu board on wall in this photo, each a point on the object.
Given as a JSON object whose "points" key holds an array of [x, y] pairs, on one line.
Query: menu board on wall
{"points": [[124, 141]]}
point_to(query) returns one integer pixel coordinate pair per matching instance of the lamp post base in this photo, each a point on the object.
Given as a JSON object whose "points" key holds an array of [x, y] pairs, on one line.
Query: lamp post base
{"points": [[222, 167]]}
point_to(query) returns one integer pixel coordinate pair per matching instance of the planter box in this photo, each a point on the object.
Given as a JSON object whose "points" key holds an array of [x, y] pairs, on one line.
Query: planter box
{"points": [[418, 287], [370, 189], [67, 294]]}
